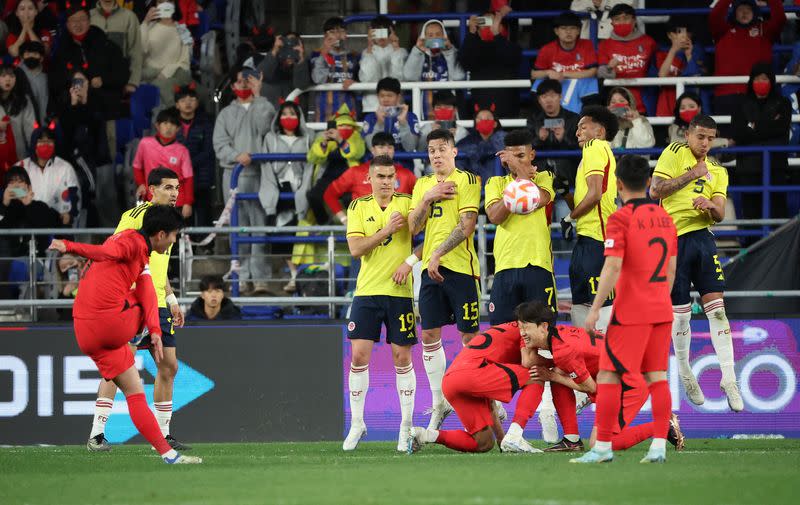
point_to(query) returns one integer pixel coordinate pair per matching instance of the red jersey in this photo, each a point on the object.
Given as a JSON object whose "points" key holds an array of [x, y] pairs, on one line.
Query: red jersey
{"points": [[553, 57], [498, 344], [107, 285], [152, 154], [667, 95], [643, 235], [634, 57], [576, 352], [355, 181]]}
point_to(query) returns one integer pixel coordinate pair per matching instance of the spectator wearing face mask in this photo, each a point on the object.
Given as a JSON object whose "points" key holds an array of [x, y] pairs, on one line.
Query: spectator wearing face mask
{"points": [[481, 145], [122, 27], [167, 50], [285, 67], [433, 58], [392, 117], [444, 114], [32, 54], [382, 58], [634, 129], [687, 106], [601, 10], [682, 58], [334, 64]]}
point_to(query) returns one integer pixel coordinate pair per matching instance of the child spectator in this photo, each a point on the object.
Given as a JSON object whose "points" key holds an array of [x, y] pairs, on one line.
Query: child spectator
{"points": [[335, 64], [382, 58], [196, 132], [167, 49], [17, 116], [482, 144], [683, 58], [687, 106], [33, 53], [284, 67], [393, 117], [634, 129], [444, 115], [24, 25], [601, 11], [212, 304], [121, 26]]}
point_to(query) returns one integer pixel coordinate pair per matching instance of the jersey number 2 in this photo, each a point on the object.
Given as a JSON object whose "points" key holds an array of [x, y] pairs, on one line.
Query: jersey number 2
{"points": [[663, 243]]}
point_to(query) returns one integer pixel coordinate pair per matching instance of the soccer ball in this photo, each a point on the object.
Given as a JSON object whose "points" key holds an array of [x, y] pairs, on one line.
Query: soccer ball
{"points": [[521, 196]]}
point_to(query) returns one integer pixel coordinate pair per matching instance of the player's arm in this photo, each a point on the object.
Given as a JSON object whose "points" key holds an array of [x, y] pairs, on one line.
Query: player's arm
{"points": [[401, 274], [174, 307], [594, 183], [110, 250], [360, 245], [661, 186], [497, 212], [146, 295], [588, 386], [715, 206], [608, 279], [531, 357], [418, 216], [464, 228]]}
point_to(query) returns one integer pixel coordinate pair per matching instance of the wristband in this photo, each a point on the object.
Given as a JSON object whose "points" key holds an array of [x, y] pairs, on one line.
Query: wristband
{"points": [[171, 300], [569, 219], [412, 260]]}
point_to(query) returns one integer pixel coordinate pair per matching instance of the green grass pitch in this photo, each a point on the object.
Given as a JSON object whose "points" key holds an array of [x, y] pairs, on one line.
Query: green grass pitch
{"points": [[709, 472]]}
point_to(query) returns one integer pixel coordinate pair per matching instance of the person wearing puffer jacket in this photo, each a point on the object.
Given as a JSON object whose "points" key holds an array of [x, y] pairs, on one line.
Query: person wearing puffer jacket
{"points": [[634, 129], [433, 58], [382, 58]]}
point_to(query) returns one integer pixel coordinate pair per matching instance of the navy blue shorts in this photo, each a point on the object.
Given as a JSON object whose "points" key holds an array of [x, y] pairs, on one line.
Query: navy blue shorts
{"points": [[453, 301], [367, 313], [167, 331], [518, 285], [585, 266], [698, 265]]}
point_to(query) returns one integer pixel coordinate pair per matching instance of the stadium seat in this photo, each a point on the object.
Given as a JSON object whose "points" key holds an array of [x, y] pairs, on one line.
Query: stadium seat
{"points": [[143, 101]]}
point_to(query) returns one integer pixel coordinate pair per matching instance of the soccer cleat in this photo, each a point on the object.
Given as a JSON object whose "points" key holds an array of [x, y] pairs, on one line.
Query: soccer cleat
{"points": [[180, 459], [517, 443], [98, 443], [693, 391], [565, 445], [502, 415], [595, 456], [416, 440], [354, 436], [675, 435], [582, 405], [731, 390], [438, 414], [655, 456], [177, 445], [402, 439], [547, 418]]}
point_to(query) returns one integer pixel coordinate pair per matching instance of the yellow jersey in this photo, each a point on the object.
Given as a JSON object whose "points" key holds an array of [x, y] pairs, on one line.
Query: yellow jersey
{"points": [[522, 239], [597, 159], [444, 216], [676, 160], [159, 263], [365, 218]]}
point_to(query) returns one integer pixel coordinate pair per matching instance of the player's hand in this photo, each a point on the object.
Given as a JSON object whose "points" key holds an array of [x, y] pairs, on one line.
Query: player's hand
{"points": [[699, 170], [156, 347], [541, 373], [433, 268], [445, 190], [703, 203], [567, 229], [141, 192], [591, 319], [177, 315], [58, 245], [401, 274], [395, 224]]}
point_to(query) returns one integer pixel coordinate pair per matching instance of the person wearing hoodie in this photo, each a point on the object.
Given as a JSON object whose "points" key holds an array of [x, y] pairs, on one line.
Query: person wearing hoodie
{"points": [[32, 54], [167, 50], [687, 106], [284, 66], [433, 58], [121, 26], [382, 58], [601, 9], [635, 131], [238, 132], [443, 114], [17, 115], [762, 118], [743, 37], [480, 147], [628, 53], [212, 304], [487, 53], [333, 151], [334, 64]]}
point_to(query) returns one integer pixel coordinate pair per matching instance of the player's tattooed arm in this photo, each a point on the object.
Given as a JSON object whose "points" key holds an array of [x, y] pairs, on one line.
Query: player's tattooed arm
{"points": [[661, 188], [465, 228], [418, 217]]}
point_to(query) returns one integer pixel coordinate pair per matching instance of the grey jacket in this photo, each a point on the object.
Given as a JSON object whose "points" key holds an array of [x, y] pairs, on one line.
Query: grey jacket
{"points": [[241, 130], [22, 126]]}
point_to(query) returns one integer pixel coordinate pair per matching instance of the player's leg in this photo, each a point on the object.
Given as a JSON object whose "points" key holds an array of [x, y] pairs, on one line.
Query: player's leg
{"points": [[401, 333], [165, 380], [102, 410], [565, 404], [528, 401], [434, 313], [654, 364], [682, 315], [363, 330]]}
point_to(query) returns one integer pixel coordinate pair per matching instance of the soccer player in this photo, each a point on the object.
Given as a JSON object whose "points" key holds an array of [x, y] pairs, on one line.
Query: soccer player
{"points": [[377, 232], [693, 189], [163, 185], [109, 311], [640, 249], [594, 201], [444, 204]]}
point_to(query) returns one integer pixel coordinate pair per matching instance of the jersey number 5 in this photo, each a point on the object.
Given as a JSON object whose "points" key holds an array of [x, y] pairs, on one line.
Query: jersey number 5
{"points": [[436, 211], [698, 185], [663, 243]]}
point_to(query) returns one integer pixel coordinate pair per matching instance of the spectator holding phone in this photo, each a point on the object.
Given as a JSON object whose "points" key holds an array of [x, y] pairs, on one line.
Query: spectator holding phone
{"points": [[682, 58], [334, 64], [284, 67], [167, 50], [393, 117], [121, 26], [382, 58], [481, 144], [17, 116], [634, 129]]}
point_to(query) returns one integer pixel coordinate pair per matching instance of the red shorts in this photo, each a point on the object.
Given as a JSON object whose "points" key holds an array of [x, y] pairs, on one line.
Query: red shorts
{"points": [[106, 342], [471, 391], [636, 348]]}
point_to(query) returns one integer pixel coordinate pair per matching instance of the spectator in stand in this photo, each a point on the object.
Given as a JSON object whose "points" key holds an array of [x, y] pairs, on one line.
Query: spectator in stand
{"points": [[382, 58], [167, 50], [32, 54], [355, 180], [53, 180], [392, 117], [335, 150], [25, 25], [335, 64], [601, 9], [683, 58], [17, 116], [433, 58], [481, 145], [687, 106], [554, 128], [212, 304], [635, 131], [284, 67], [288, 134], [121, 26], [163, 150], [488, 53], [743, 38], [238, 132], [196, 132], [628, 53], [762, 118], [444, 114], [569, 57]]}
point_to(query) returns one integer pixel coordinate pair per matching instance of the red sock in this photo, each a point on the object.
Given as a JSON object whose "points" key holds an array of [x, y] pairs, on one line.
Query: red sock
{"points": [[564, 402], [529, 399], [661, 401], [458, 440], [146, 422], [631, 435], [609, 401]]}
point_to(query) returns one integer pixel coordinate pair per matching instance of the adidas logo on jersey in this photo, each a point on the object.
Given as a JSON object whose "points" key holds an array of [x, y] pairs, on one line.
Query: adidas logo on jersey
{"points": [[370, 219]]}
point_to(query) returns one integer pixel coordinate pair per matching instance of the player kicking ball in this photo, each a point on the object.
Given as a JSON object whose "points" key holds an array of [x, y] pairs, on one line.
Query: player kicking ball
{"points": [[109, 312], [640, 249], [377, 232]]}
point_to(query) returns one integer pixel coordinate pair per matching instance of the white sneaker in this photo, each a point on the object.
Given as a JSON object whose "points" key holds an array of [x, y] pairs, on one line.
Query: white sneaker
{"points": [[357, 432], [513, 442], [501, 411], [402, 439], [693, 391], [182, 459], [438, 414], [547, 418], [416, 439], [731, 390]]}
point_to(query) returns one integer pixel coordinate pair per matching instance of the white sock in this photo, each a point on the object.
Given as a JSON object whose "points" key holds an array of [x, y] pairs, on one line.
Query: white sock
{"points": [[682, 336], [547, 400], [406, 381], [431, 436], [721, 338], [604, 319], [359, 385], [572, 438], [602, 446], [163, 416], [171, 454], [578, 313], [102, 409], [514, 429], [658, 443], [435, 364]]}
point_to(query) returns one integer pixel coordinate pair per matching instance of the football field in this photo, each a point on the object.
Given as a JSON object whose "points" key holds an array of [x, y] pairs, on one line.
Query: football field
{"points": [[707, 472]]}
